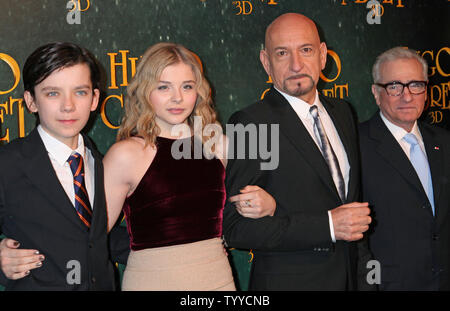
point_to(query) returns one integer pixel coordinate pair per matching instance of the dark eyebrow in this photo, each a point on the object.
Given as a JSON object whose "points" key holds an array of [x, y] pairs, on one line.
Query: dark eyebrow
{"points": [[84, 86], [55, 88], [50, 88]]}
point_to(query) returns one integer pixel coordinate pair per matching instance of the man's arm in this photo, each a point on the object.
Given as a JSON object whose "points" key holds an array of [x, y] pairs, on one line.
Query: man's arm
{"points": [[297, 231], [15, 263], [283, 232], [119, 243]]}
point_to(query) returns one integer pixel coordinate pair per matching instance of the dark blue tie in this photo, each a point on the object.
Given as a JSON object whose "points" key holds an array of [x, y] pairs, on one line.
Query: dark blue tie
{"points": [[82, 204]]}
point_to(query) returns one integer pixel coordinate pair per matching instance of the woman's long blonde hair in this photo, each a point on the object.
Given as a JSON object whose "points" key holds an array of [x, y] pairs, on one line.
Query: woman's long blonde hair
{"points": [[139, 117]]}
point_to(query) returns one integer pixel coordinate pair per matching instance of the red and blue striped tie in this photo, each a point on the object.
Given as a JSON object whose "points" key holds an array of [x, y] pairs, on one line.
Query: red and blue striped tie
{"points": [[82, 204]]}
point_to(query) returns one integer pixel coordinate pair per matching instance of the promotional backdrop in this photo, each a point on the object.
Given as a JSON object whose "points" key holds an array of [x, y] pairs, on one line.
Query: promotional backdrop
{"points": [[227, 35]]}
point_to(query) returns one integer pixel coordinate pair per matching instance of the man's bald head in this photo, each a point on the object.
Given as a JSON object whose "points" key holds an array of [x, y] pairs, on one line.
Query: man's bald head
{"points": [[294, 56], [287, 20]]}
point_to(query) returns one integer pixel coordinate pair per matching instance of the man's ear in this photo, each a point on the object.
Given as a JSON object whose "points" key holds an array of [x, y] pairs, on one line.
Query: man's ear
{"points": [[30, 102], [95, 99], [426, 93], [376, 94], [323, 55], [264, 58]]}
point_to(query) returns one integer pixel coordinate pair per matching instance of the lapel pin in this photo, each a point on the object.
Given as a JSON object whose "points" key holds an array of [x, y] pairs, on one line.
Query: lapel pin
{"points": [[436, 148]]}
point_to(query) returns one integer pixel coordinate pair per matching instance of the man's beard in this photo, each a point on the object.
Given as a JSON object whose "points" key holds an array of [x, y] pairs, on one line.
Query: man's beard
{"points": [[301, 88]]}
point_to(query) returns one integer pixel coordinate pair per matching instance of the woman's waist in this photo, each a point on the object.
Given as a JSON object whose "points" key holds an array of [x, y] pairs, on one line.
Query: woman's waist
{"points": [[166, 257], [159, 234]]}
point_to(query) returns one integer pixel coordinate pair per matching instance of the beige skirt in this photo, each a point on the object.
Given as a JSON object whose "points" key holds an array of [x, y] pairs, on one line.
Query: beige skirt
{"points": [[198, 266]]}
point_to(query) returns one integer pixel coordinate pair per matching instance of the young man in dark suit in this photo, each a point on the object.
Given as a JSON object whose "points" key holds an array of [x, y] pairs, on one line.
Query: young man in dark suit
{"points": [[308, 242], [52, 201], [405, 176]]}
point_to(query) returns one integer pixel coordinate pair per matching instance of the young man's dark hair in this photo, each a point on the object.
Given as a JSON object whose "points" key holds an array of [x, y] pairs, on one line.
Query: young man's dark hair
{"points": [[55, 56]]}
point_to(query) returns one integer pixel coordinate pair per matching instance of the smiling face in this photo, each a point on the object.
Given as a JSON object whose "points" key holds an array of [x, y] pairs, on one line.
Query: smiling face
{"points": [[294, 55], [405, 109], [174, 97], [64, 101]]}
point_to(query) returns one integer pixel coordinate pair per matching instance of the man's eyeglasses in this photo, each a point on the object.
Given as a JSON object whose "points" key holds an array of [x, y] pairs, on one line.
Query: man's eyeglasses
{"points": [[396, 88]]}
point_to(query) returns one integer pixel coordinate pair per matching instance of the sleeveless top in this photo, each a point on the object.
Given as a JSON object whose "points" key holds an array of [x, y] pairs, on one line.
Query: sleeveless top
{"points": [[176, 201]]}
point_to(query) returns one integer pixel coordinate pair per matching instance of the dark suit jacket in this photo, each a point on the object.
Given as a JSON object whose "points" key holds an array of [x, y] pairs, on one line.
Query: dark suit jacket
{"points": [[35, 210], [293, 249], [411, 245]]}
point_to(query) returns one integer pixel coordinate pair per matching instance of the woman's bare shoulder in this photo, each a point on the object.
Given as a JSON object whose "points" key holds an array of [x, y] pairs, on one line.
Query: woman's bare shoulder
{"points": [[128, 151]]}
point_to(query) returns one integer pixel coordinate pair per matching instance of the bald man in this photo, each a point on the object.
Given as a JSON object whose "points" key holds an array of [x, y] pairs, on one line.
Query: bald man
{"points": [[310, 241]]}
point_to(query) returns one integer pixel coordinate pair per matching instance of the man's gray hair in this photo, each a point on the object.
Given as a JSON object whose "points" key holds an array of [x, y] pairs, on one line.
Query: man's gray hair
{"points": [[394, 54]]}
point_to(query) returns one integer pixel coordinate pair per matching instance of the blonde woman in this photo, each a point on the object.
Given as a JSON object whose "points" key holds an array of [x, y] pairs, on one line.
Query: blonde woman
{"points": [[173, 205]]}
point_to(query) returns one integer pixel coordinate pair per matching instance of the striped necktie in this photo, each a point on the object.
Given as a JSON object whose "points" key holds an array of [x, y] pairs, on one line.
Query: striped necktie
{"points": [[420, 163], [82, 204], [328, 153]]}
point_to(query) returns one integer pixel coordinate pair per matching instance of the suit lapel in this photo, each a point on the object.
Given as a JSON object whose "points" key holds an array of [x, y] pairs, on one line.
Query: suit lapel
{"points": [[99, 203], [42, 175], [435, 161], [294, 130], [388, 148]]}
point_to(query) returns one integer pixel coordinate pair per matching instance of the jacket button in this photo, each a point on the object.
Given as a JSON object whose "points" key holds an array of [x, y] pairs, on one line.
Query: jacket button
{"points": [[93, 280], [435, 237]]}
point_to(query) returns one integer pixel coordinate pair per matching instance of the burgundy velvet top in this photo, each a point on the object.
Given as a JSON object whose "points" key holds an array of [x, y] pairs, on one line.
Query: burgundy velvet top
{"points": [[177, 201]]}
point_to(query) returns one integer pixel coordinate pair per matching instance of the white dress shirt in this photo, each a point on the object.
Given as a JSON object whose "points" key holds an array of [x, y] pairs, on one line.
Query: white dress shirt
{"points": [[399, 133], [58, 153], [302, 109]]}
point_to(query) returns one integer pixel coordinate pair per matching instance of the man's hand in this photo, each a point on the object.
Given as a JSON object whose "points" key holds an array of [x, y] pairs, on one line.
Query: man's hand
{"points": [[351, 220], [254, 202], [17, 263]]}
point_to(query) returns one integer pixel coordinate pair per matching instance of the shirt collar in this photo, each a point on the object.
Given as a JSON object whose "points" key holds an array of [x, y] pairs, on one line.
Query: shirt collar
{"points": [[59, 151], [399, 132], [302, 107]]}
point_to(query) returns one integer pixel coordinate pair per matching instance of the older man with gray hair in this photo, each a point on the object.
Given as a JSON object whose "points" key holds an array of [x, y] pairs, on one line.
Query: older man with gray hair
{"points": [[405, 177]]}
